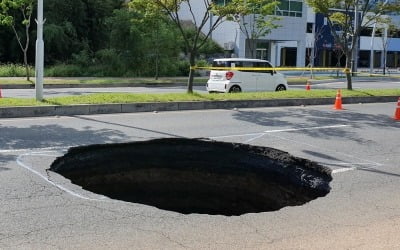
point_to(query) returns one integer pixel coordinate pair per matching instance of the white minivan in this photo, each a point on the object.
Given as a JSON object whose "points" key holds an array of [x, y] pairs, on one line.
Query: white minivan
{"points": [[244, 75]]}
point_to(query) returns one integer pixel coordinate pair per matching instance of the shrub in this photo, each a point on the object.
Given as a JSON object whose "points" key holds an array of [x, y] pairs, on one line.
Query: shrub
{"points": [[184, 68], [15, 70], [64, 70]]}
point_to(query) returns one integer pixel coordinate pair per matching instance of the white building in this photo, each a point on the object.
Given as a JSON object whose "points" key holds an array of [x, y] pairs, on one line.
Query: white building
{"points": [[288, 44]]}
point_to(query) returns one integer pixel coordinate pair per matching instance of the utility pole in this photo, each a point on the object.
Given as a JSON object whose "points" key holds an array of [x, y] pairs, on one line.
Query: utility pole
{"points": [[39, 60], [354, 59], [371, 60]]}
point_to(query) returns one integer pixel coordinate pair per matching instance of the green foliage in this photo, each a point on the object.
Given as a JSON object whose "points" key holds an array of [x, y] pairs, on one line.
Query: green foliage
{"points": [[17, 15], [7, 11], [104, 38], [63, 70], [202, 63], [83, 59], [61, 41], [14, 70], [76, 25]]}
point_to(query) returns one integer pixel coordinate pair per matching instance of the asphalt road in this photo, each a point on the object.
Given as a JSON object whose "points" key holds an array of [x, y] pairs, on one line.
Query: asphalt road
{"points": [[30, 93], [42, 210]]}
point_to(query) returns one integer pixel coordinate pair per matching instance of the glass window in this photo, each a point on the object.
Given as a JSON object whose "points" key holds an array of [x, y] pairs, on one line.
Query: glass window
{"points": [[290, 8], [284, 5], [309, 28], [221, 2], [366, 31], [296, 6]]}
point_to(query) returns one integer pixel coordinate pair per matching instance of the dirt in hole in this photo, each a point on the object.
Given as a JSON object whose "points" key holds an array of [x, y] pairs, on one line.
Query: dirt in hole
{"points": [[196, 175]]}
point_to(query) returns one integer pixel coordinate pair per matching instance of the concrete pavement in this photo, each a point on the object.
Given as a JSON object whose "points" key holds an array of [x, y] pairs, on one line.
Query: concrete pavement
{"points": [[42, 210], [86, 109]]}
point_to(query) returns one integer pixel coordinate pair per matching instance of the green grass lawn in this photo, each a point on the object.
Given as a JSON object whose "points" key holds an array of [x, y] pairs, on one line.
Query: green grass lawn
{"points": [[107, 98]]}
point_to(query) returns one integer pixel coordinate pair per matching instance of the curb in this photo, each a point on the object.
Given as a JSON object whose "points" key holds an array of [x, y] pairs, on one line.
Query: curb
{"points": [[92, 109]]}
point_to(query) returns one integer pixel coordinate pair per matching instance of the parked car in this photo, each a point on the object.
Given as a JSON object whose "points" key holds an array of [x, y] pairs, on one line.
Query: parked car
{"points": [[244, 75]]}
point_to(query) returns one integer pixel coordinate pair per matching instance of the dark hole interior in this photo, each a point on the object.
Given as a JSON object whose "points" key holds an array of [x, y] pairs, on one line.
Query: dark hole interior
{"points": [[195, 175]]}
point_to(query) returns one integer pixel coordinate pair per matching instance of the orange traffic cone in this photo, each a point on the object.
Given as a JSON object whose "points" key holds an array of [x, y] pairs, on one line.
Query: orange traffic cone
{"points": [[397, 113], [338, 102], [308, 86]]}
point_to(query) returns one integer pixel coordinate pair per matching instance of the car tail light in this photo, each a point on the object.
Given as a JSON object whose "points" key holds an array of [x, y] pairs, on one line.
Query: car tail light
{"points": [[229, 75]]}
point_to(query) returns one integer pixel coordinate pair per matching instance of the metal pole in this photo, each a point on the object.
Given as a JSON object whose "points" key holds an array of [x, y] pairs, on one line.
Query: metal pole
{"points": [[384, 49], [371, 59], [39, 60], [355, 42]]}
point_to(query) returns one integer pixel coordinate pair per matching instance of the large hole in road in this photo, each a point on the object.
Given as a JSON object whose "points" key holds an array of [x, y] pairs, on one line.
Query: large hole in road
{"points": [[195, 175]]}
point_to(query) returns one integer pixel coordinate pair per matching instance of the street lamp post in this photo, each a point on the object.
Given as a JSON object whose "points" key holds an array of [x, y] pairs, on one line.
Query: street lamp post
{"points": [[39, 60], [354, 58], [371, 60]]}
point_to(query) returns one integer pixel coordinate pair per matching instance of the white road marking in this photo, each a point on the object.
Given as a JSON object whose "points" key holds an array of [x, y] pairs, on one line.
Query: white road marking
{"points": [[335, 171], [366, 162], [254, 138], [302, 129], [22, 164], [258, 135], [36, 149], [342, 170], [237, 135]]}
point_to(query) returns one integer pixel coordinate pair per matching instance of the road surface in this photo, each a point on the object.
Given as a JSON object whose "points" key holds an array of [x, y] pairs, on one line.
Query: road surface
{"points": [[361, 144], [30, 93]]}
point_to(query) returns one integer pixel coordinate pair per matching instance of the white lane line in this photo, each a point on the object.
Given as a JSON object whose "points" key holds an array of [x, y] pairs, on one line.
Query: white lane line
{"points": [[335, 171], [366, 162], [302, 129], [278, 131], [51, 149], [254, 138], [237, 135], [22, 164], [342, 170]]}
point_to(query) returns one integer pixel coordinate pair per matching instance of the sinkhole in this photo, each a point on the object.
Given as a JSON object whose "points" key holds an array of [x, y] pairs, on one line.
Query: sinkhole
{"points": [[196, 175]]}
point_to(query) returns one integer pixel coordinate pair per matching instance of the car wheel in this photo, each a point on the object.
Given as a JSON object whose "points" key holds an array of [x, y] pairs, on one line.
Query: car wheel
{"points": [[280, 88], [235, 89]]}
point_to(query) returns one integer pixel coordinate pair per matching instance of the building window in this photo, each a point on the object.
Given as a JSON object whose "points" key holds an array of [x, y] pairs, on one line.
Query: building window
{"points": [[290, 8], [366, 31], [222, 2], [310, 27]]}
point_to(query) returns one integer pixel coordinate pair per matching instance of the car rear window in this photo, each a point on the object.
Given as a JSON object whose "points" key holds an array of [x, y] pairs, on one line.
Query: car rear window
{"points": [[227, 64], [246, 64], [221, 64]]}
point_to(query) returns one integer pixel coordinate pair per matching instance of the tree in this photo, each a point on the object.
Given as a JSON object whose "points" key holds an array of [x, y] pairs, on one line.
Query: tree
{"points": [[171, 8], [76, 25], [312, 52], [9, 9], [158, 42], [256, 20], [346, 26]]}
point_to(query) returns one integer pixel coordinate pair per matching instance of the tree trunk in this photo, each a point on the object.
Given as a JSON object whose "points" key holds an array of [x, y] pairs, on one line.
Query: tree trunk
{"points": [[192, 62], [26, 65], [384, 62]]}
